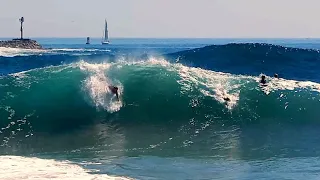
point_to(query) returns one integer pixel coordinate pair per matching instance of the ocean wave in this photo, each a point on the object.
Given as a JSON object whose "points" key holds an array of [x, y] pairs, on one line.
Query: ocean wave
{"points": [[65, 97], [246, 59], [253, 59]]}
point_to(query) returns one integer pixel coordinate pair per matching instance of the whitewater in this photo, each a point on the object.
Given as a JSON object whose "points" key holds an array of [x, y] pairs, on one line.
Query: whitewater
{"points": [[186, 110]]}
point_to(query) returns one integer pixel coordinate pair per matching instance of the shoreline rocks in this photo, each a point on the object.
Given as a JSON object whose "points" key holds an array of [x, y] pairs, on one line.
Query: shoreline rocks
{"points": [[21, 43]]}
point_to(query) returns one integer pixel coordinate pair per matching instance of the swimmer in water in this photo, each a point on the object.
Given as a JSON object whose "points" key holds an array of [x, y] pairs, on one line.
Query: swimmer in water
{"points": [[114, 90], [276, 76], [263, 80]]}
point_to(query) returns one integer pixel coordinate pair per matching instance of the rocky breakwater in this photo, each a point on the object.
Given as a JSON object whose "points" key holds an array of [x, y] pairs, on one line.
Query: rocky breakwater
{"points": [[21, 43]]}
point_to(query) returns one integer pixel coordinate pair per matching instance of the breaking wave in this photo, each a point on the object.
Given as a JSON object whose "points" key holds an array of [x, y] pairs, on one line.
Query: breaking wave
{"points": [[61, 98]]}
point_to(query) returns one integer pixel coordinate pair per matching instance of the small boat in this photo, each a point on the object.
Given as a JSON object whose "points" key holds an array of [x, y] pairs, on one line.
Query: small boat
{"points": [[105, 38]]}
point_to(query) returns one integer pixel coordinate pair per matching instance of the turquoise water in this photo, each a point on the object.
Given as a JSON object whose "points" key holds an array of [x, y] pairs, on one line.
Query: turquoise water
{"points": [[172, 121]]}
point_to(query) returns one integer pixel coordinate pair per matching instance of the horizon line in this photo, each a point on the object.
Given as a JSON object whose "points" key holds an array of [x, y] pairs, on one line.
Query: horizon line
{"points": [[84, 37]]}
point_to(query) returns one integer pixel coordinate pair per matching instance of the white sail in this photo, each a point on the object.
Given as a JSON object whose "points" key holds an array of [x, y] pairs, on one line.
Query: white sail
{"points": [[106, 35]]}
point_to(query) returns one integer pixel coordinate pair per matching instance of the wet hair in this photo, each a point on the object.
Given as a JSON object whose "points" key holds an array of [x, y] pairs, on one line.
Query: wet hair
{"points": [[116, 88], [276, 76], [263, 79]]}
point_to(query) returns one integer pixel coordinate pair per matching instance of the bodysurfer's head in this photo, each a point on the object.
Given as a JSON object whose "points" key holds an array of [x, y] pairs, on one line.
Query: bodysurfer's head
{"points": [[114, 90], [263, 79]]}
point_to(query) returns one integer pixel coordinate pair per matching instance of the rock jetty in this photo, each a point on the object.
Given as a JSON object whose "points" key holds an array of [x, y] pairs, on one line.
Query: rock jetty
{"points": [[21, 43]]}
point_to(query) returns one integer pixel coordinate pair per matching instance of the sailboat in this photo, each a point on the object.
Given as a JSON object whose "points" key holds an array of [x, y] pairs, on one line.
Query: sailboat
{"points": [[105, 39]]}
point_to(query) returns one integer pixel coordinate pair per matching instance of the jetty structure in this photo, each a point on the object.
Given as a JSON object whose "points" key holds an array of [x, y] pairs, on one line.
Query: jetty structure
{"points": [[21, 42], [88, 40]]}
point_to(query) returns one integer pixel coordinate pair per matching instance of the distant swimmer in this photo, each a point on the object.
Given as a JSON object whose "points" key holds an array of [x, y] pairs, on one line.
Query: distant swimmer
{"points": [[276, 76], [114, 90], [263, 80]]}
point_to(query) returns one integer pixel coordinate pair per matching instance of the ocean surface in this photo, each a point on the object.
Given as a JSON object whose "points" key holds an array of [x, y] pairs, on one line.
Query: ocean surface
{"points": [[188, 109]]}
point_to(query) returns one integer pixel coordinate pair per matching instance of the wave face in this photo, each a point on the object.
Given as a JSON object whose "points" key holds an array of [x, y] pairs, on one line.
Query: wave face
{"points": [[253, 59], [61, 98]]}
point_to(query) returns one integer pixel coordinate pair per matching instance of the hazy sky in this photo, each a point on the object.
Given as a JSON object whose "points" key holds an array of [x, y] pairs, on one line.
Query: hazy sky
{"points": [[162, 18]]}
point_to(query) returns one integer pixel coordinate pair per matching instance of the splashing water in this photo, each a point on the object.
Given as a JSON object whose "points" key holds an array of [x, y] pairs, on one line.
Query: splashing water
{"points": [[45, 169], [12, 52], [97, 86]]}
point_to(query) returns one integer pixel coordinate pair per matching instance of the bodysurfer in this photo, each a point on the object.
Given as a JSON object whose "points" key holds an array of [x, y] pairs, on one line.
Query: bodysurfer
{"points": [[114, 90], [227, 99], [263, 80]]}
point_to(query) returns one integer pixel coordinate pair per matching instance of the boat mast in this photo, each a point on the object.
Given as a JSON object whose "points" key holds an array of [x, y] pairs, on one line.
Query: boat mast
{"points": [[106, 36]]}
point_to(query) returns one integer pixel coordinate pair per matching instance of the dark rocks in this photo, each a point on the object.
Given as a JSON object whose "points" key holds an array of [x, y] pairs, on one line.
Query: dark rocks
{"points": [[21, 43]]}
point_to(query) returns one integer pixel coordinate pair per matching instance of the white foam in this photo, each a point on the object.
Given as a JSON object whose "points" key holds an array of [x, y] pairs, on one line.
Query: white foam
{"points": [[152, 61], [97, 85], [95, 68], [16, 168], [12, 52], [81, 50], [68, 50], [222, 87], [285, 84]]}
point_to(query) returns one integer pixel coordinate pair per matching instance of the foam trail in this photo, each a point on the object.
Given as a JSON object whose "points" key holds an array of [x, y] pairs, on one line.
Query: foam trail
{"points": [[220, 86], [285, 84], [34, 168]]}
